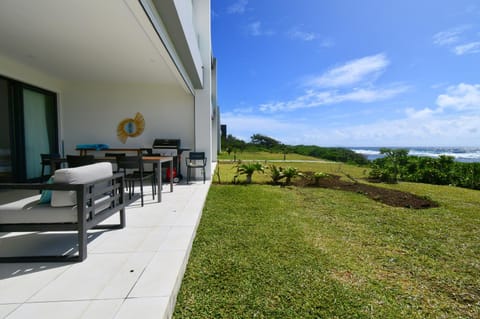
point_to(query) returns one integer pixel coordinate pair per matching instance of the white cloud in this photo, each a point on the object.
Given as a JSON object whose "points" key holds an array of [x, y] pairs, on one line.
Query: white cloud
{"points": [[296, 33], [329, 88], [452, 130], [352, 72], [248, 109], [429, 130], [448, 37], [238, 7], [450, 123], [457, 40], [372, 95], [256, 29], [468, 48], [245, 125], [420, 114], [313, 98], [461, 97], [327, 43]]}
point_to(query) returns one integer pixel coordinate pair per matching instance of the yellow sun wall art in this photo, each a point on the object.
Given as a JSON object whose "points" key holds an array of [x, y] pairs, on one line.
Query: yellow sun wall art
{"points": [[130, 127]]}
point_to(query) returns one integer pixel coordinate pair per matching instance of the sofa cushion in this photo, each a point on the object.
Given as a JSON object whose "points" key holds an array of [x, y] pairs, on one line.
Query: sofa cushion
{"points": [[78, 175], [30, 211], [46, 197]]}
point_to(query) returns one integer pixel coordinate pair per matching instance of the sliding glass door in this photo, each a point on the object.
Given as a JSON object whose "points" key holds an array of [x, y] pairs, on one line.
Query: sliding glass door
{"points": [[5, 127], [39, 114], [32, 128]]}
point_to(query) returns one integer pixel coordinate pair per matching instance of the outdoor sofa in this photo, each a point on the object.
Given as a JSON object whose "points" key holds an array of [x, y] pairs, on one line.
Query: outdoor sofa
{"points": [[81, 198]]}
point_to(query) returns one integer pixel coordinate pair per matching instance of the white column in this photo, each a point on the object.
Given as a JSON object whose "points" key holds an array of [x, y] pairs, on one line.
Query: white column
{"points": [[203, 97]]}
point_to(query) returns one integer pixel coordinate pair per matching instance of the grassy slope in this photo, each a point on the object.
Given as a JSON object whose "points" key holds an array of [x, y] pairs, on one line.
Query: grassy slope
{"points": [[228, 170], [271, 252], [264, 156]]}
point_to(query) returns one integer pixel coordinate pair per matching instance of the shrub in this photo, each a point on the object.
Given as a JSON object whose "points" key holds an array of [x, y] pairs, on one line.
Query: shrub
{"points": [[318, 176], [248, 169], [289, 173], [276, 174]]}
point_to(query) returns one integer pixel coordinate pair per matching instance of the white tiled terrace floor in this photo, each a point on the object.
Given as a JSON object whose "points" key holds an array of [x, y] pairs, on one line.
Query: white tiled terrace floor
{"points": [[133, 272]]}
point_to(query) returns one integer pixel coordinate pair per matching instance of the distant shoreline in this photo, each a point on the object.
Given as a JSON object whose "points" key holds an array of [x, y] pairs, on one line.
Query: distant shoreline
{"points": [[460, 154]]}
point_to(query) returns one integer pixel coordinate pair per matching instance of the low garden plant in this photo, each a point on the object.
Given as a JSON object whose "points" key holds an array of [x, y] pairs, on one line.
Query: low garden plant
{"points": [[248, 169]]}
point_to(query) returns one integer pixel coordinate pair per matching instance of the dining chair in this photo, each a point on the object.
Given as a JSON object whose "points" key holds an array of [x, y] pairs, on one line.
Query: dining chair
{"points": [[80, 160], [196, 160], [133, 170], [149, 152], [115, 155], [46, 160]]}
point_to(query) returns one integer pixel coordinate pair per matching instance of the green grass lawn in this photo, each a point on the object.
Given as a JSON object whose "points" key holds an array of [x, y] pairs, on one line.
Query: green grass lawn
{"points": [[264, 156], [265, 251], [227, 170]]}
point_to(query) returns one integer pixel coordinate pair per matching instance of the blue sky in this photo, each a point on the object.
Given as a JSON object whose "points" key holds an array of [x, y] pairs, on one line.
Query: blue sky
{"points": [[350, 72]]}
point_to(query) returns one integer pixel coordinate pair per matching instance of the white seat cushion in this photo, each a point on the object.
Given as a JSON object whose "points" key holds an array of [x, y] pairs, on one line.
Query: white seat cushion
{"points": [[30, 211], [78, 175]]}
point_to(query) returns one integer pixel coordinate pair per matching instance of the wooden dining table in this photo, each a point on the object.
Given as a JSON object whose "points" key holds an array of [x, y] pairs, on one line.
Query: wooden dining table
{"points": [[159, 160]]}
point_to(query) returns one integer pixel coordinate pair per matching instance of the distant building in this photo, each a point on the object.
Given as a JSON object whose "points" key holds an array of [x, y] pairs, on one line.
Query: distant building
{"points": [[223, 130]]}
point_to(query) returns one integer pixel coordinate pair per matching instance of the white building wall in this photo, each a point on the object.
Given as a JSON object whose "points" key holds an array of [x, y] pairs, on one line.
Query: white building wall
{"points": [[24, 73], [92, 113], [186, 14], [216, 114], [203, 98]]}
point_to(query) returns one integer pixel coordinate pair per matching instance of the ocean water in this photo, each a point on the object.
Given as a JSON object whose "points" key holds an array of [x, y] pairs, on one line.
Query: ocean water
{"points": [[461, 154]]}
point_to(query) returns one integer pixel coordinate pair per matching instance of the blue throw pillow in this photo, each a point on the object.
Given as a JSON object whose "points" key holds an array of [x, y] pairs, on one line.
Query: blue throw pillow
{"points": [[46, 196]]}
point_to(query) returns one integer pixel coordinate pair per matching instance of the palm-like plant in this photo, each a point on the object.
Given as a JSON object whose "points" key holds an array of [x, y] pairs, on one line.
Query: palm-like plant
{"points": [[248, 169], [318, 176], [289, 173], [276, 173]]}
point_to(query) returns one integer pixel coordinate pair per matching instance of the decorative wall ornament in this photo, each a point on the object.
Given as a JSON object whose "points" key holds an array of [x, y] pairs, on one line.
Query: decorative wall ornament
{"points": [[130, 127]]}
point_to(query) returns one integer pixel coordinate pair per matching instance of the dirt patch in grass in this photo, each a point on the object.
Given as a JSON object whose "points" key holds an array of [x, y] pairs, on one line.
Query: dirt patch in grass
{"points": [[389, 197]]}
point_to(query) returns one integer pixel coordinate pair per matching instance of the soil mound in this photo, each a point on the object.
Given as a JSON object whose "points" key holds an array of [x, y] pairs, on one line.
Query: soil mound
{"points": [[387, 196]]}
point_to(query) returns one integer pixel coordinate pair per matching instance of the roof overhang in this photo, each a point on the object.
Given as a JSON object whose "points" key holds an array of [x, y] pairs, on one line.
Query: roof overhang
{"points": [[88, 40], [179, 21]]}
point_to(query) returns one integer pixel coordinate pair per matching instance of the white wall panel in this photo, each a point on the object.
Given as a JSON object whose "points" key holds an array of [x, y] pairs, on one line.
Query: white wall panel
{"points": [[93, 112]]}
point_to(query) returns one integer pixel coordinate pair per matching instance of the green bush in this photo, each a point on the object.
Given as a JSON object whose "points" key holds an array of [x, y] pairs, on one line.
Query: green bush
{"points": [[248, 169], [397, 165]]}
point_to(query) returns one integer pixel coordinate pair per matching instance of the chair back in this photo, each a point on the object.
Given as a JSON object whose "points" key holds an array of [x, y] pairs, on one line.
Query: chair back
{"points": [[196, 160], [76, 160], [45, 158], [196, 156], [130, 162], [115, 154]]}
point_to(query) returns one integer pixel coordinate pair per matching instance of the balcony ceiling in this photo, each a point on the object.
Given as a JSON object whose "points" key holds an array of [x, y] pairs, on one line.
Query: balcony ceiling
{"points": [[85, 40]]}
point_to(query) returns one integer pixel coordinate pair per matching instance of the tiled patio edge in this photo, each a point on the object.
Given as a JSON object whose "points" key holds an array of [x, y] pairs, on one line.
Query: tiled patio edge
{"points": [[194, 205]]}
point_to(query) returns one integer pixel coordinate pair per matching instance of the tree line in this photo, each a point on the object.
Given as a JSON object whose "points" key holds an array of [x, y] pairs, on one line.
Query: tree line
{"points": [[397, 165], [259, 142]]}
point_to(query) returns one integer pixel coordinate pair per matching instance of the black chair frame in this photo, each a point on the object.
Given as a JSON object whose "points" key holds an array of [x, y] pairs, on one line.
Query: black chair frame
{"points": [[133, 170], [46, 160], [195, 160], [80, 160]]}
